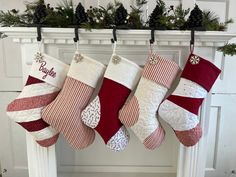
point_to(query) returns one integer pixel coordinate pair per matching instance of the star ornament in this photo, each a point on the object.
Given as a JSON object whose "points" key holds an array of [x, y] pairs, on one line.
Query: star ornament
{"points": [[116, 59], [78, 57], [194, 60], [153, 60], [38, 57]]}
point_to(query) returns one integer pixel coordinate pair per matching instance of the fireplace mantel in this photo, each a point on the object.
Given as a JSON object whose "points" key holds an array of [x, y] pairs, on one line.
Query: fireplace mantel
{"points": [[191, 161], [125, 37]]}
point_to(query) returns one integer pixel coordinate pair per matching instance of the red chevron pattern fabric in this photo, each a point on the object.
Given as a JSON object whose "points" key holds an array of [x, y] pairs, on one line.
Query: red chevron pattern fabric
{"points": [[180, 110], [140, 112], [38, 93]]}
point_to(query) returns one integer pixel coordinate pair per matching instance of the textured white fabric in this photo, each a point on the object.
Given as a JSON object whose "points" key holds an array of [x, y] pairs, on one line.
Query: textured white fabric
{"points": [[149, 95], [91, 114], [125, 72], [119, 141], [37, 89], [88, 70], [40, 70], [25, 115], [44, 134], [178, 118], [189, 88]]}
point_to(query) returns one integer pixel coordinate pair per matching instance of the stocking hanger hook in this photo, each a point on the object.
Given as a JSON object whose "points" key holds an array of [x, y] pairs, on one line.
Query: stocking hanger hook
{"points": [[39, 33], [192, 41], [76, 31], [76, 38], [152, 40], [114, 39]]}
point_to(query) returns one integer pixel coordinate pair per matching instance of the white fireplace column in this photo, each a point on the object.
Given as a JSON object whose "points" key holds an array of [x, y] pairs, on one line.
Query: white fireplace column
{"points": [[57, 41]]}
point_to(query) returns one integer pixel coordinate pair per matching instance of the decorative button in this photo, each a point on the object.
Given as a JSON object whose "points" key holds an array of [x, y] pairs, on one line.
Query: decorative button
{"points": [[38, 57], [153, 60], [116, 59], [78, 57], [194, 60]]}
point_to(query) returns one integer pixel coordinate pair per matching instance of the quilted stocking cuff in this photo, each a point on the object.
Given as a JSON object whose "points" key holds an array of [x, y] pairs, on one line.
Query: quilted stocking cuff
{"points": [[86, 69]]}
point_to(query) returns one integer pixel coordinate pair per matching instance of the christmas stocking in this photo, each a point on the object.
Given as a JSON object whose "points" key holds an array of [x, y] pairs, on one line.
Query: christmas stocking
{"points": [[64, 112], [180, 109], [140, 112], [101, 114], [45, 79]]}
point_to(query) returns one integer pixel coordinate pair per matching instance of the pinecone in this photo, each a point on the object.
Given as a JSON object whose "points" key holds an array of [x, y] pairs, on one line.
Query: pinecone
{"points": [[196, 18], [157, 13], [40, 13], [120, 16], [80, 14]]}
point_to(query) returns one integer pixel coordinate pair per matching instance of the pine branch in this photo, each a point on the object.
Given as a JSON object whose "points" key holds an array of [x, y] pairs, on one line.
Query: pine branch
{"points": [[228, 49], [11, 18]]}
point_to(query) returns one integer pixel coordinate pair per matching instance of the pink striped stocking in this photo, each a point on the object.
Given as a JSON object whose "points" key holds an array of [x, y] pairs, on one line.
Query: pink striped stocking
{"points": [[140, 112], [45, 80], [64, 112]]}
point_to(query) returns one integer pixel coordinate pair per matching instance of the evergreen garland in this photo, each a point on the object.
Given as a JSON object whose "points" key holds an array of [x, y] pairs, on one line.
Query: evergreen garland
{"points": [[64, 15], [211, 22]]}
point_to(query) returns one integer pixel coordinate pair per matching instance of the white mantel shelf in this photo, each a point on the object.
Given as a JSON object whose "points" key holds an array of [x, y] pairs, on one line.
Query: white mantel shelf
{"points": [[125, 37]]}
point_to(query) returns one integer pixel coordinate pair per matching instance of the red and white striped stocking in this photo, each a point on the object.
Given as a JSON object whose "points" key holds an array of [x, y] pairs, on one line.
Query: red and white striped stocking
{"points": [[140, 112], [180, 110], [64, 112], [46, 78]]}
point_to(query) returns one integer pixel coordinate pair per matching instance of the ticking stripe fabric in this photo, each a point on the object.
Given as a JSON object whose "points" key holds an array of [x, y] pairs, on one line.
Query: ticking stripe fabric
{"points": [[162, 70], [36, 94], [64, 113], [140, 112]]}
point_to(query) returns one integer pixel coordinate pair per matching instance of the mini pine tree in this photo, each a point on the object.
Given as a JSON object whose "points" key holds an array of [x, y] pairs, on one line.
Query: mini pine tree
{"points": [[80, 15], [134, 18], [120, 16], [156, 19], [195, 19], [40, 13]]}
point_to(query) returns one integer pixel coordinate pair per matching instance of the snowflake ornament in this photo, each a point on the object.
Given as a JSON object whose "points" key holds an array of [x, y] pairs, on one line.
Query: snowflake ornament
{"points": [[153, 60], [38, 57], [194, 60], [78, 57], [116, 59]]}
